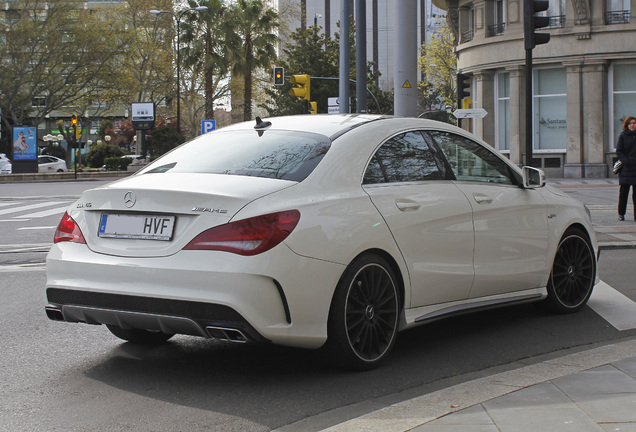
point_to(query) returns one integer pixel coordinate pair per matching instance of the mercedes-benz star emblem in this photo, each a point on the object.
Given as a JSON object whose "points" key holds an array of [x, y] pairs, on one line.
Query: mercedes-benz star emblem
{"points": [[130, 199]]}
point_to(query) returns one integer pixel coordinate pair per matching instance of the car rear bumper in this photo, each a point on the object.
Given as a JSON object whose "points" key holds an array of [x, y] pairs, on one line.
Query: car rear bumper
{"points": [[284, 299]]}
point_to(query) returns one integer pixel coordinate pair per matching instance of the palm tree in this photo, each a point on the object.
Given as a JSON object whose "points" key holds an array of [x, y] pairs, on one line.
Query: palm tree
{"points": [[210, 44], [255, 25]]}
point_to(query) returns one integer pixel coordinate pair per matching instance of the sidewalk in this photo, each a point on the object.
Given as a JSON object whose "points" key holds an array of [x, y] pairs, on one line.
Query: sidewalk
{"points": [[592, 390]]}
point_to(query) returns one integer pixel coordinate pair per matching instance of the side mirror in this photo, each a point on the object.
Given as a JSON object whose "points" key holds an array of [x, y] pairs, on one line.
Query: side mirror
{"points": [[532, 177]]}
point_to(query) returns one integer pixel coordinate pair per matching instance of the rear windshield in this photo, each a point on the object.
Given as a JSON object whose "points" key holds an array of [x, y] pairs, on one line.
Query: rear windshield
{"points": [[274, 154]]}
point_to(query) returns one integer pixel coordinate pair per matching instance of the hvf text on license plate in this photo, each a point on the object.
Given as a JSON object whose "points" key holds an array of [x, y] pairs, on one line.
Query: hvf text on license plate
{"points": [[147, 227]]}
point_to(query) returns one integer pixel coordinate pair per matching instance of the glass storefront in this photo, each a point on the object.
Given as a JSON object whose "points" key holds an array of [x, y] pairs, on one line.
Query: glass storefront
{"points": [[624, 96], [550, 126], [502, 136]]}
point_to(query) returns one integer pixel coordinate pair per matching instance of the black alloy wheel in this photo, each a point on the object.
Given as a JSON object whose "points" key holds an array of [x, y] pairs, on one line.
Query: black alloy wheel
{"points": [[363, 320], [573, 273]]}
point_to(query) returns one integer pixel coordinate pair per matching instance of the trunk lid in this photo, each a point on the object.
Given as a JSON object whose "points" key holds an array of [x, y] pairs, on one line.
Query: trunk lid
{"points": [[156, 215]]}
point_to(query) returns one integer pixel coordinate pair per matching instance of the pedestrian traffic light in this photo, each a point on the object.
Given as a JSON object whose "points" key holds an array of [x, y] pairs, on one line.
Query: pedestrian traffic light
{"points": [[531, 22], [279, 76], [462, 85], [313, 107], [301, 86]]}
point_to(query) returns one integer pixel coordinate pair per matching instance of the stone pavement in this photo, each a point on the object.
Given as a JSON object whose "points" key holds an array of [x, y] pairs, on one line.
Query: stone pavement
{"points": [[592, 390]]}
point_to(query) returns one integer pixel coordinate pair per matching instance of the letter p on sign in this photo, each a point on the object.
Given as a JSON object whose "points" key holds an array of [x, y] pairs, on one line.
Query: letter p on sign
{"points": [[207, 126]]}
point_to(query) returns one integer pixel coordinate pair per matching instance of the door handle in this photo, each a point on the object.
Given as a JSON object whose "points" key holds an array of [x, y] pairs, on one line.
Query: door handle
{"points": [[482, 199], [407, 205]]}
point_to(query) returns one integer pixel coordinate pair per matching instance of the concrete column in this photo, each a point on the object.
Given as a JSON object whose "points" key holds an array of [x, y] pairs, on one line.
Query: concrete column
{"points": [[594, 79], [517, 113], [484, 128], [573, 166]]}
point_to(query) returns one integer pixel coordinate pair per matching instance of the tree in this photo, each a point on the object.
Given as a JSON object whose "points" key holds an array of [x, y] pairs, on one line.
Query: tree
{"points": [[308, 52], [439, 63], [56, 55], [209, 45], [255, 25]]}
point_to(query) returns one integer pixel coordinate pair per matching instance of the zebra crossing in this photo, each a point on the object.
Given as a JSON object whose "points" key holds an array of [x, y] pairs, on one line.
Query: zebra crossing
{"points": [[19, 211]]}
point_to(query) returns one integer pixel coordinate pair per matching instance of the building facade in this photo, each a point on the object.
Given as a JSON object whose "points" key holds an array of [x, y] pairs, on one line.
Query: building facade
{"points": [[582, 79]]}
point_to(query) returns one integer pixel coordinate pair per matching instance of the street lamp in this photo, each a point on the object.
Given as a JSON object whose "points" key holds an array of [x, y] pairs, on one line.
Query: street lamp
{"points": [[177, 16]]}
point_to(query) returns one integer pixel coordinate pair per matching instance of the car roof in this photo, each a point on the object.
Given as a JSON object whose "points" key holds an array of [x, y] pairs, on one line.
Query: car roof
{"points": [[324, 124]]}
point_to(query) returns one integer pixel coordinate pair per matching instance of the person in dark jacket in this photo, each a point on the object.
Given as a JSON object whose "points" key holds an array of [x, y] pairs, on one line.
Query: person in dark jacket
{"points": [[626, 153]]}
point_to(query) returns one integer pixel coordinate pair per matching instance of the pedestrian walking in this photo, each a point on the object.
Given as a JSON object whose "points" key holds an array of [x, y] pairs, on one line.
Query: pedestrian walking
{"points": [[626, 153]]}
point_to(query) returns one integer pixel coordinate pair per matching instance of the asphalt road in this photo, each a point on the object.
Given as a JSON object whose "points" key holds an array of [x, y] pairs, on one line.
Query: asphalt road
{"points": [[75, 377]]}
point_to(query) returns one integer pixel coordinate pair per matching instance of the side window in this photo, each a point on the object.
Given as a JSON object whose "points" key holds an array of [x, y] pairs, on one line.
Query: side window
{"points": [[471, 161], [404, 158]]}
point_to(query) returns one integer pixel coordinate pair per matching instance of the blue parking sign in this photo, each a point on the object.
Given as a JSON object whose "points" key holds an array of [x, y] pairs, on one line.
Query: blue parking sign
{"points": [[207, 126]]}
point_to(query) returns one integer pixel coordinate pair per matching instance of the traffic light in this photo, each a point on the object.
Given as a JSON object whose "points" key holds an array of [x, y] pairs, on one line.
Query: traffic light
{"points": [[462, 85], [74, 120], [313, 107], [531, 22], [279, 76], [301, 86]]}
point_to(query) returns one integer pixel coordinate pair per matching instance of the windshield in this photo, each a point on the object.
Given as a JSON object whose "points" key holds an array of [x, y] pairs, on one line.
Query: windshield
{"points": [[274, 154]]}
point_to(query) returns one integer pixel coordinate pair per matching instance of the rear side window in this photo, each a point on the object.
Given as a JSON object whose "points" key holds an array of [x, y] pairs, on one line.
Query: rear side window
{"points": [[273, 154], [404, 158]]}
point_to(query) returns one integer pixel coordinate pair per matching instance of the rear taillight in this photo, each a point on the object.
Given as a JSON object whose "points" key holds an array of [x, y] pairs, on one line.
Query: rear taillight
{"points": [[248, 236], [68, 231]]}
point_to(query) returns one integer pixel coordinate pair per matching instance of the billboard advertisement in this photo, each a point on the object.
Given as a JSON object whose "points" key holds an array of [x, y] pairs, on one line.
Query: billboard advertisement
{"points": [[25, 143]]}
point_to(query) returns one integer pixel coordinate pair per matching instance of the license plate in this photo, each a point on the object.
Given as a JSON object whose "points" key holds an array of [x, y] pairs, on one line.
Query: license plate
{"points": [[146, 227]]}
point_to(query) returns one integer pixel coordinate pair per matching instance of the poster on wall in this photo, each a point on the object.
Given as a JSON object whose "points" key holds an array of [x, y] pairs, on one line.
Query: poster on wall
{"points": [[24, 143]]}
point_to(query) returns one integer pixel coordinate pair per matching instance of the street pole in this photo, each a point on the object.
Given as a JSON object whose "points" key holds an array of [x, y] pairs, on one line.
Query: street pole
{"points": [[177, 18]]}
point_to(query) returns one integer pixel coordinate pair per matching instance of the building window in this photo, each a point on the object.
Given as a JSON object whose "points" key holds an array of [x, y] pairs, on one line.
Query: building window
{"points": [[469, 33], [499, 26], [549, 108], [556, 13], [624, 96], [617, 11], [502, 111]]}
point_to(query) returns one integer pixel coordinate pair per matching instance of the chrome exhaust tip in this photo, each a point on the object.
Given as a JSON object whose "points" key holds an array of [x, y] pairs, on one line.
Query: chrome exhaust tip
{"points": [[54, 313], [228, 334]]}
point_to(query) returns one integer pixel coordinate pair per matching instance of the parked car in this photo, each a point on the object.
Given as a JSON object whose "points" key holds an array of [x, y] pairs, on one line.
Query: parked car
{"points": [[50, 164], [323, 231], [4, 161]]}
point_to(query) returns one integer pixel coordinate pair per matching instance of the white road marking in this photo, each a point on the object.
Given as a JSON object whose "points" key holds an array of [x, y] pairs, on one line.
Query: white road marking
{"points": [[36, 228], [44, 213], [5, 204], [29, 207], [23, 267], [614, 307]]}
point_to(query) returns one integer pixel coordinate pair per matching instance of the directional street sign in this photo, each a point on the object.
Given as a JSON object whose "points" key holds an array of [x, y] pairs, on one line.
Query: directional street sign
{"points": [[470, 113]]}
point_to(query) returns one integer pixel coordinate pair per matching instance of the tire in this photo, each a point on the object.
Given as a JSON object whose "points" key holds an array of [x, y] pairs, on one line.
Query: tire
{"points": [[139, 336], [573, 273], [363, 319]]}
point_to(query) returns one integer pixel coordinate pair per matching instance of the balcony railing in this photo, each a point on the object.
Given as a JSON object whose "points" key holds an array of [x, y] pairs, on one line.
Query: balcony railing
{"points": [[468, 35], [496, 29], [557, 21], [618, 17]]}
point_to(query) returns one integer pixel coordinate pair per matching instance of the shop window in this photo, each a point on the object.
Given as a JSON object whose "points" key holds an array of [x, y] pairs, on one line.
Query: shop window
{"points": [[549, 108], [623, 93], [502, 111]]}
